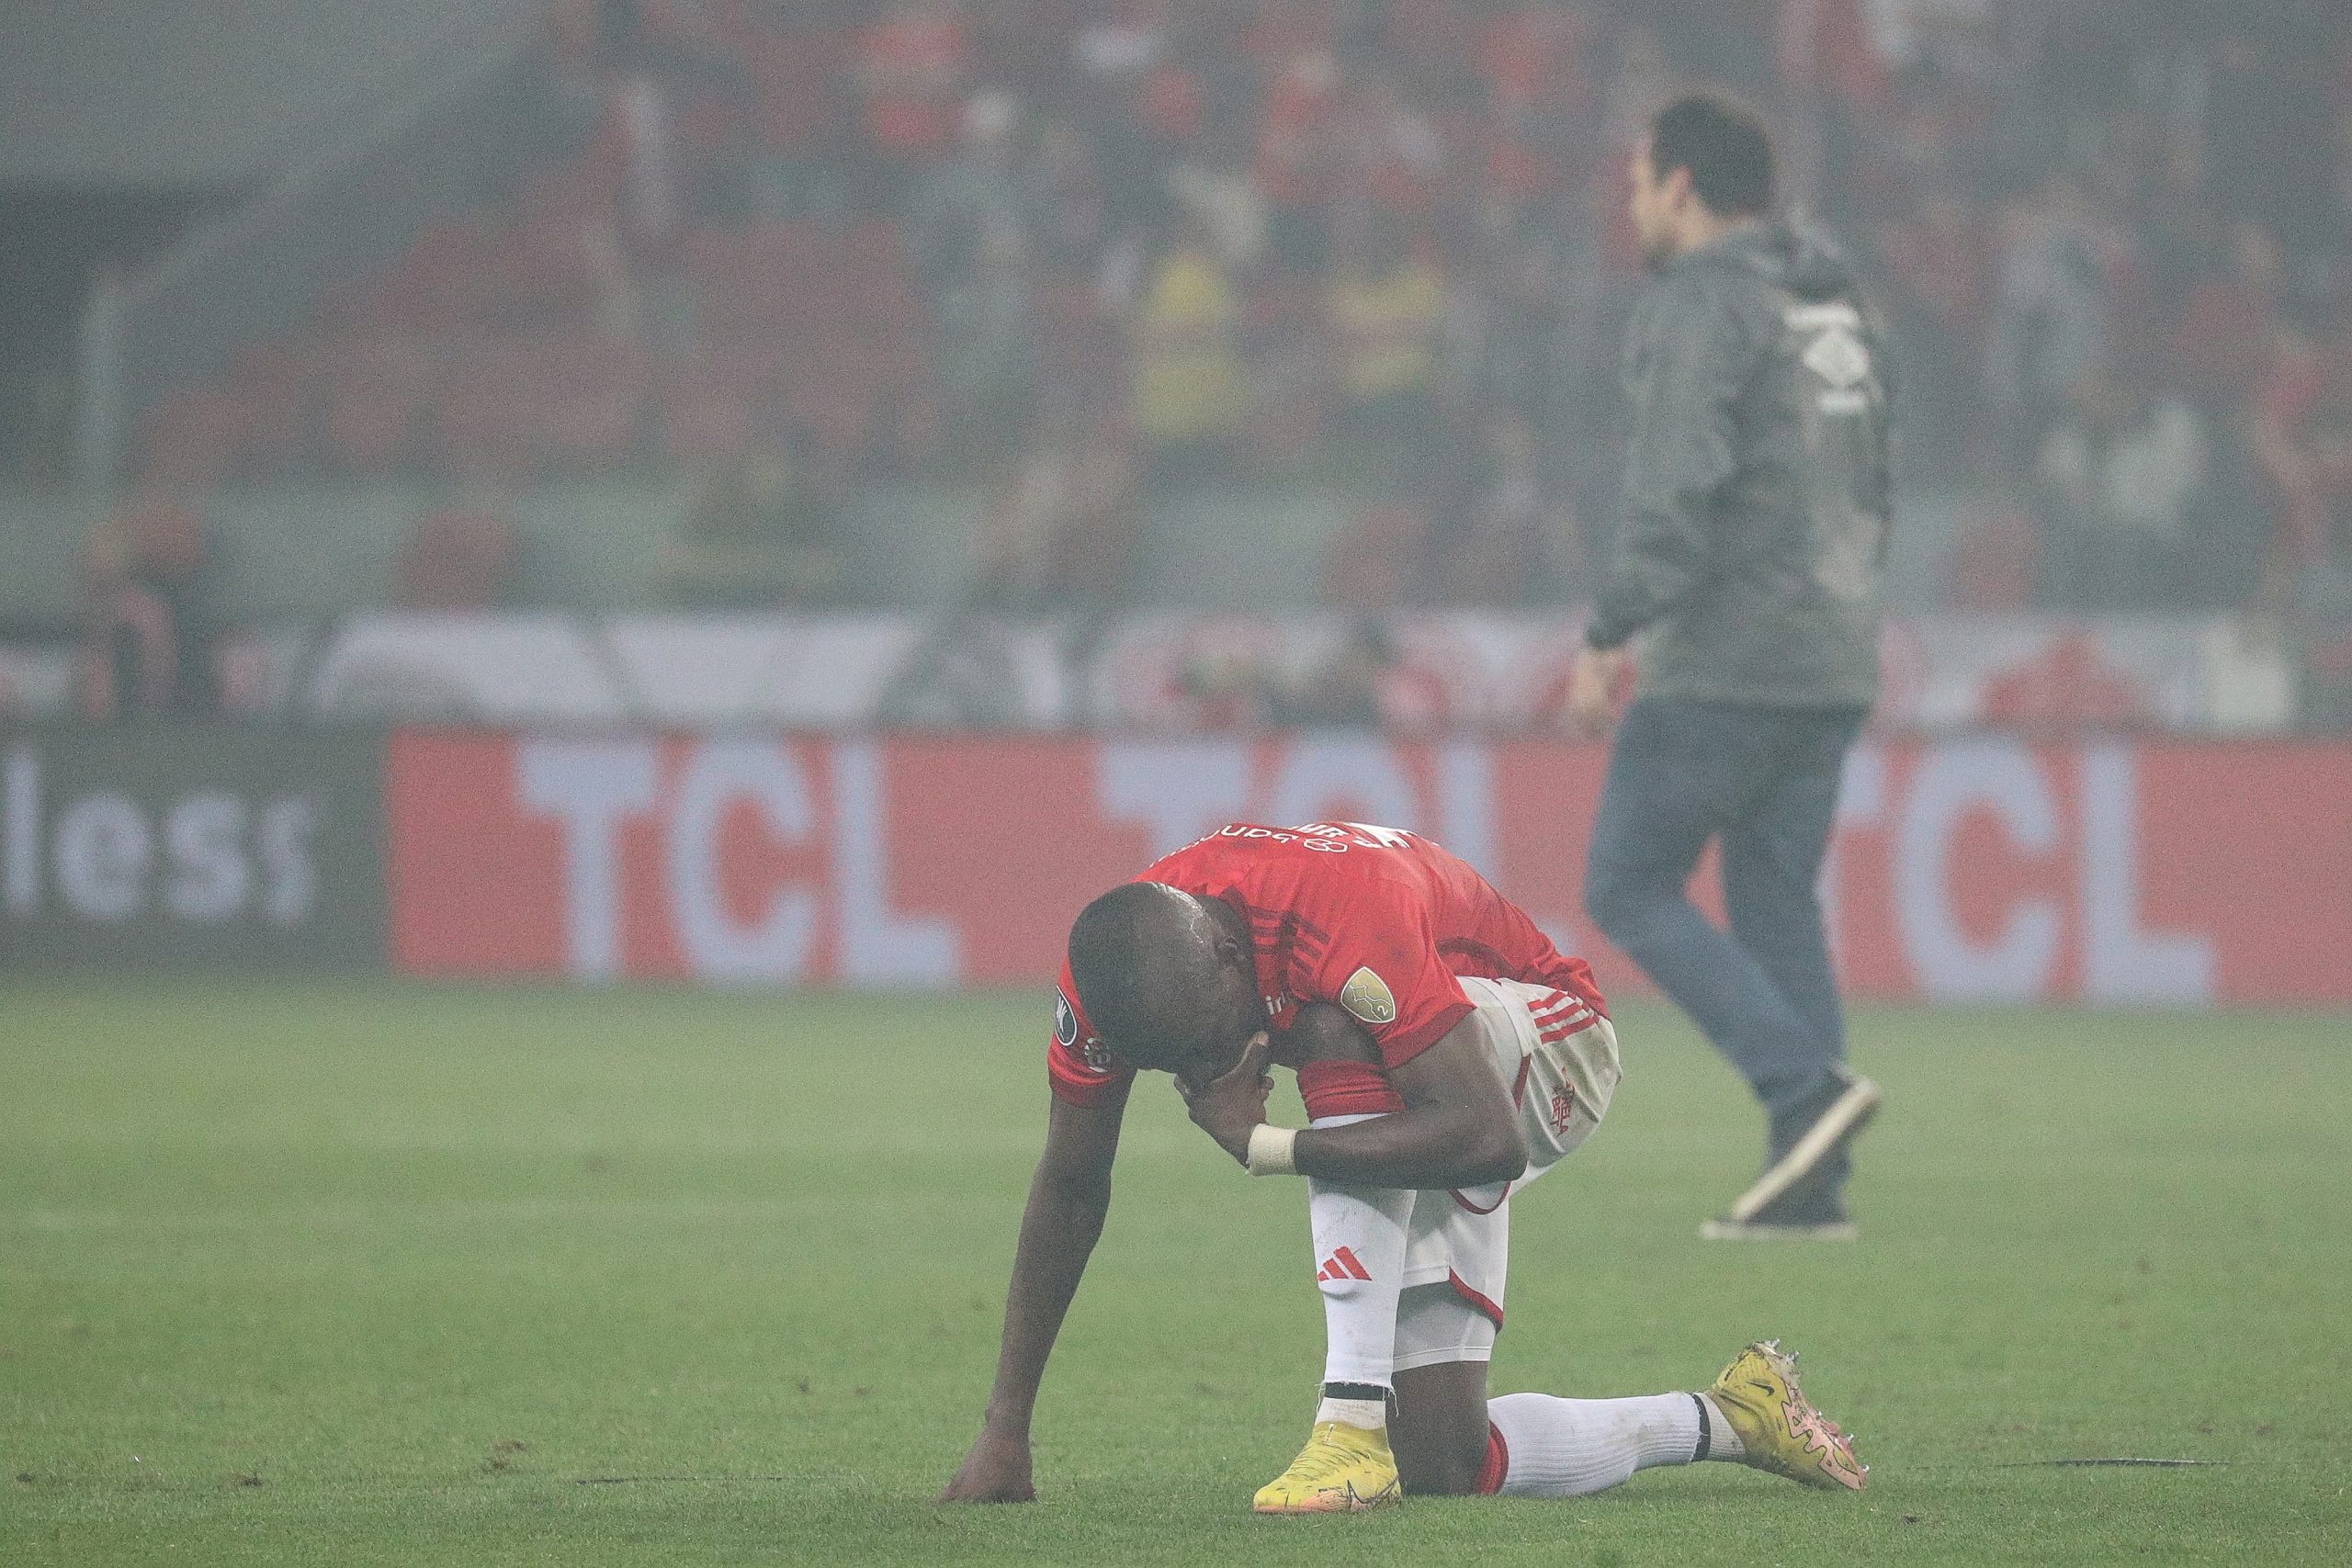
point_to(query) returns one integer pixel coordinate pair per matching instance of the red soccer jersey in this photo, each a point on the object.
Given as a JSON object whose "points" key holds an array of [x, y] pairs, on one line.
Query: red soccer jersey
{"points": [[1376, 920]]}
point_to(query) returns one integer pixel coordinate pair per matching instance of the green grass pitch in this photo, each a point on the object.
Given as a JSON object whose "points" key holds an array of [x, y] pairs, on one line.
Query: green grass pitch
{"points": [[370, 1274]]}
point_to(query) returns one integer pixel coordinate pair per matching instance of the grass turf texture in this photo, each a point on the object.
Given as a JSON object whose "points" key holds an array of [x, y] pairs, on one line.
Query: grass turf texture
{"points": [[368, 1274]]}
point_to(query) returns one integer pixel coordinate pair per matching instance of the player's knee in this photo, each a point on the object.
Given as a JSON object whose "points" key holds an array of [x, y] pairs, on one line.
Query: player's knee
{"points": [[1447, 1470], [1322, 1032]]}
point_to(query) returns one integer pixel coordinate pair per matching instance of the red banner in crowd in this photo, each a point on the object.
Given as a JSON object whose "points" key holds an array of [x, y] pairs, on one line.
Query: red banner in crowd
{"points": [[1982, 869]]}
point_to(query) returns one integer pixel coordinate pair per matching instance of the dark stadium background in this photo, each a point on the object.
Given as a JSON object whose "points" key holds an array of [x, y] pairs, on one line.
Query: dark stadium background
{"points": [[572, 571]]}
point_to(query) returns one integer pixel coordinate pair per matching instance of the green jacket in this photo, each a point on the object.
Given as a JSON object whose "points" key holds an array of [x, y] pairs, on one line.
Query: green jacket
{"points": [[1758, 489]]}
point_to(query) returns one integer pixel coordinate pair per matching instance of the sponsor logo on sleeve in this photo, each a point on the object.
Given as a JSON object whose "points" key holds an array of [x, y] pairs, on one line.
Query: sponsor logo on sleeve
{"points": [[1367, 997], [1093, 1051]]}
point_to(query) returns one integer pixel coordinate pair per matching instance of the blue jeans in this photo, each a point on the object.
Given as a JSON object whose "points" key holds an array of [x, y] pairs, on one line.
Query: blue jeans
{"points": [[1764, 780]]}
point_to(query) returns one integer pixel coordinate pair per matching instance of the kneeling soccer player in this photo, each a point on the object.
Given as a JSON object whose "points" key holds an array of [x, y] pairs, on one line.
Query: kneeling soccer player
{"points": [[1448, 1054]]}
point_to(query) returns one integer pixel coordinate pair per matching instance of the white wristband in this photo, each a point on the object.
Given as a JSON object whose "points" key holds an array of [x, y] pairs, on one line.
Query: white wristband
{"points": [[1270, 1150]]}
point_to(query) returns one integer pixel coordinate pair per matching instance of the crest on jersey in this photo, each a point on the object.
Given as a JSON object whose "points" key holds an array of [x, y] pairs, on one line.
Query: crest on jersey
{"points": [[1367, 996]]}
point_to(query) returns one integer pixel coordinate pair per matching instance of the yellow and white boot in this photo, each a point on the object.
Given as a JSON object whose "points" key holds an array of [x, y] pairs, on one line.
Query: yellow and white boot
{"points": [[1779, 1428], [1342, 1470]]}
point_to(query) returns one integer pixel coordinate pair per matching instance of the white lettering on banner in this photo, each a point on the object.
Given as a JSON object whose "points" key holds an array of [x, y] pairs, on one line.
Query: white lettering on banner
{"points": [[102, 849], [1323, 771], [212, 878], [2123, 963], [877, 946], [589, 786], [293, 869], [23, 842], [1465, 805], [2002, 778], [776, 946], [114, 856], [1180, 790]]}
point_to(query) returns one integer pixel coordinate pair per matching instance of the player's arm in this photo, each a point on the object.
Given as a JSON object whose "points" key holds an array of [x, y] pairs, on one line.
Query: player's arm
{"points": [[1457, 1128], [1068, 1199]]}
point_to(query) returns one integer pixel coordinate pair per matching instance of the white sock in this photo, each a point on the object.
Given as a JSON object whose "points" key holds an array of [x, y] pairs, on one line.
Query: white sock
{"points": [[1371, 1415], [1723, 1440], [1360, 1268], [1567, 1448]]}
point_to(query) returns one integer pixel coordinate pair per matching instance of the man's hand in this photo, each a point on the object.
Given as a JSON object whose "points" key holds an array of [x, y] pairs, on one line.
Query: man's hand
{"points": [[1592, 689], [996, 1471], [1227, 1108]]}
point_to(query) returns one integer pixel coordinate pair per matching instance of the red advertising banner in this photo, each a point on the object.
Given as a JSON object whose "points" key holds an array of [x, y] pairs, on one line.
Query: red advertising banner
{"points": [[2155, 873]]}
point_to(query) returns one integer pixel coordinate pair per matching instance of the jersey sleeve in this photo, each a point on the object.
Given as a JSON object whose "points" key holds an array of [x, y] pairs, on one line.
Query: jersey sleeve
{"points": [[1077, 1064], [1376, 956]]}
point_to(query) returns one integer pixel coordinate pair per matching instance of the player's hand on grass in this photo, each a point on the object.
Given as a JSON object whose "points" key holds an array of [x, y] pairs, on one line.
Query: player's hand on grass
{"points": [[1226, 1108], [996, 1471]]}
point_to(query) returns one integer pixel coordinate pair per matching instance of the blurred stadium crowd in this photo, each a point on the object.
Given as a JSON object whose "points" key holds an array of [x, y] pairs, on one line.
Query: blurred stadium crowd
{"points": [[1079, 256]]}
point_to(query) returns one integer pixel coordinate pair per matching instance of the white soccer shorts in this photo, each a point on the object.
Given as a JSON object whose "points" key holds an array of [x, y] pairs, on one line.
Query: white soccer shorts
{"points": [[1560, 1059]]}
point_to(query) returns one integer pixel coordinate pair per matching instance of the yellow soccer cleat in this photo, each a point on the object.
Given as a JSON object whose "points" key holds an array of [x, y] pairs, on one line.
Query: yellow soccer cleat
{"points": [[1342, 1470], [1778, 1427]]}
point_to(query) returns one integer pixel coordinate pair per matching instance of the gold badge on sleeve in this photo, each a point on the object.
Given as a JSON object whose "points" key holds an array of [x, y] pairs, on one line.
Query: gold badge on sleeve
{"points": [[1367, 996]]}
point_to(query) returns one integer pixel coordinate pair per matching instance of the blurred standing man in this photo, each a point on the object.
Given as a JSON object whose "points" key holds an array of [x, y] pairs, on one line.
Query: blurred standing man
{"points": [[1757, 514]]}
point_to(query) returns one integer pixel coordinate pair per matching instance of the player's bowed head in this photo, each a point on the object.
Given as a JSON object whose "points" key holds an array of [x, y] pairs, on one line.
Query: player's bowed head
{"points": [[1170, 983]]}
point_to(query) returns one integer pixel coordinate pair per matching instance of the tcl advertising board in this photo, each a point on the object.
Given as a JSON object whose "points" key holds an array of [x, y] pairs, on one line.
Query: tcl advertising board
{"points": [[1982, 869]]}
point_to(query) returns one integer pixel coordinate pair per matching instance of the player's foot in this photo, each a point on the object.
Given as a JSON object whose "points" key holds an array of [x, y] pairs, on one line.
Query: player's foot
{"points": [[1815, 1214], [1341, 1470], [1809, 1139], [1779, 1428]]}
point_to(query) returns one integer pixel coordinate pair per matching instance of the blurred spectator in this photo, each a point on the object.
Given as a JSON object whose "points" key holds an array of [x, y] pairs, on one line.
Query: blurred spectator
{"points": [[971, 252], [1060, 531], [2051, 316], [2302, 444], [976, 194], [802, 157], [1190, 392], [1940, 303], [1499, 539], [143, 651], [2226, 326], [1298, 152], [2120, 476], [760, 534], [2271, 129], [1345, 690], [1387, 307], [911, 66], [459, 558]]}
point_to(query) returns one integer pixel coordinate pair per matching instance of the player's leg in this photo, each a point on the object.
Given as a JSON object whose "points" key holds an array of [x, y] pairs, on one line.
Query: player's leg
{"points": [[1359, 1232], [1452, 1440], [1360, 1237], [1681, 773], [1771, 870], [1441, 1433]]}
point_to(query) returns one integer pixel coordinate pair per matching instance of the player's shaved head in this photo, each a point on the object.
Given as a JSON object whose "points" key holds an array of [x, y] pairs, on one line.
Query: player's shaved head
{"points": [[1146, 960]]}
